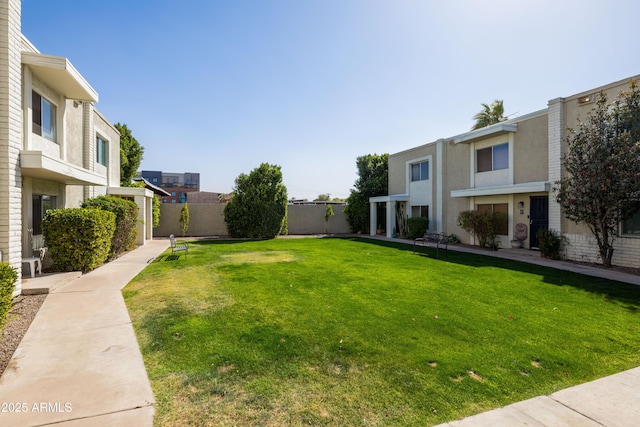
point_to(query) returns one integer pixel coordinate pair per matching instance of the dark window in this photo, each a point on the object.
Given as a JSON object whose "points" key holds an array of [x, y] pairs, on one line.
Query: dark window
{"points": [[484, 160], [43, 117], [503, 208], [632, 225], [492, 158], [422, 211], [101, 151], [41, 204], [500, 156], [420, 171]]}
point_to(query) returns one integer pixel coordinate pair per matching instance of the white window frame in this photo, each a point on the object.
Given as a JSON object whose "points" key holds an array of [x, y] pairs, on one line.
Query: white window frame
{"points": [[419, 165], [105, 150], [493, 157]]}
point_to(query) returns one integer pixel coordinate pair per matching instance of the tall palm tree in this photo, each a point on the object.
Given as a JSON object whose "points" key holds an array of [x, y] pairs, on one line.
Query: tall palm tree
{"points": [[489, 115]]}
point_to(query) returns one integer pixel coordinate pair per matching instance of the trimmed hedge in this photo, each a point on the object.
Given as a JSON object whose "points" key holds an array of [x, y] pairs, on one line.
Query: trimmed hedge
{"points": [[78, 239], [8, 277], [126, 211], [417, 226]]}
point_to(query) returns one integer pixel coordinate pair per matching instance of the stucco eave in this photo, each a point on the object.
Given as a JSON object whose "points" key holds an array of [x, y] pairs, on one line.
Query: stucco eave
{"points": [[59, 74], [129, 191], [484, 132], [390, 198], [529, 187], [38, 165]]}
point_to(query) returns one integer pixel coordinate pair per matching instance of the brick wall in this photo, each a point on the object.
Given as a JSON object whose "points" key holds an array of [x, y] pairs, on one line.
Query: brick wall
{"points": [[556, 146], [10, 134], [583, 248]]}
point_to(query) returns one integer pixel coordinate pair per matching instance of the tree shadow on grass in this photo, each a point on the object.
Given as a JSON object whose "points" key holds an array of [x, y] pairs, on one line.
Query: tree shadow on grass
{"points": [[626, 293]]}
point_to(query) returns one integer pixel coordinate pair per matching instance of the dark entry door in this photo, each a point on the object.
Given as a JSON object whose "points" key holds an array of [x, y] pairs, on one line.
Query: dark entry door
{"points": [[538, 217]]}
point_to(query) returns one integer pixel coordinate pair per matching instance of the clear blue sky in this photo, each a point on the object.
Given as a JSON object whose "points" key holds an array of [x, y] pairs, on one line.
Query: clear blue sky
{"points": [[218, 87]]}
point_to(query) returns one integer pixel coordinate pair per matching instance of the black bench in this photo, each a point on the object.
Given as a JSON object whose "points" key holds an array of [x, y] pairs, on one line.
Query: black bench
{"points": [[437, 238]]}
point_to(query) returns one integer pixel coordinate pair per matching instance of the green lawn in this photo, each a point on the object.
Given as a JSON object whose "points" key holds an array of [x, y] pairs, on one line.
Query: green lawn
{"points": [[358, 332]]}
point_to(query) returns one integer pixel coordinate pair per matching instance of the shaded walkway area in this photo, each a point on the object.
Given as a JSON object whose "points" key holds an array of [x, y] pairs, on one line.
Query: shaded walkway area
{"points": [[79, 363]]}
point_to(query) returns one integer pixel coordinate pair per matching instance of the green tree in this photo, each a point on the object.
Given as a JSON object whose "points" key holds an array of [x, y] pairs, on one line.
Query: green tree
{"points": [[258, 208], [373, 180], [489, 115], [184, 219], [130, 155], [602, 183], [323, 198]]}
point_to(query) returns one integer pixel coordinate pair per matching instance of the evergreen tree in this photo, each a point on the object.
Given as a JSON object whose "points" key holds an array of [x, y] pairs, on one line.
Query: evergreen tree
{"points": [[602, 183]]}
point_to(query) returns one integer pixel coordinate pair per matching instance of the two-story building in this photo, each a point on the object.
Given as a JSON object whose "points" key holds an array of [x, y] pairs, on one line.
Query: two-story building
{"points": [[56, 149], [509, 167]]}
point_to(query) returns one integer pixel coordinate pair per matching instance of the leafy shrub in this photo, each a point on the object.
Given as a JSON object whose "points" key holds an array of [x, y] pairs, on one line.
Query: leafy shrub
{"points": [[258, 208], [184, 219], [78, 239], [453, 239], [126, 212], [417, 226], [328, 213], [8, 277], [550, 243], [483, 225], [156, 211]]}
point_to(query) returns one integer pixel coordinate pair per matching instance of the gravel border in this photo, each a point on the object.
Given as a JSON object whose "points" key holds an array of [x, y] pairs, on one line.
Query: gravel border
{"points": [[24, 309]]}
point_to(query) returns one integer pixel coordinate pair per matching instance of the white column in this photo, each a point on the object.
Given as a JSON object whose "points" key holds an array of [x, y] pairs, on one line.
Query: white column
{"points": [[391, 218], [141, 202], [373, 218], [149, 221]]}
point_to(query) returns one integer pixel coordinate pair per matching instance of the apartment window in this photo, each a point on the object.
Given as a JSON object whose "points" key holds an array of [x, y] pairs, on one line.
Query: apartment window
{"points": [[173, 193], [503, 208], [101, 151], [632, 225], [44, 117], [422, 211], [420, 171], [492, 158], [155, 180]]}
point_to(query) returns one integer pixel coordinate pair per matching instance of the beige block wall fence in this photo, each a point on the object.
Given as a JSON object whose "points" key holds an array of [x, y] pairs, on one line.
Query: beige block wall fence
{"points": [[207, 219]]}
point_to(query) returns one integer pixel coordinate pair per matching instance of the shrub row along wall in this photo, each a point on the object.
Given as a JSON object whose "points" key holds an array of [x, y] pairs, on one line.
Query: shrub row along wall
{"points": [[207, 219]]}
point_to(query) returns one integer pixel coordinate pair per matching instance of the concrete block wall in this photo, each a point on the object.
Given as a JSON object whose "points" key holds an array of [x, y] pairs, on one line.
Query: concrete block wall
{"points": [[207, 219], [309, 219]]}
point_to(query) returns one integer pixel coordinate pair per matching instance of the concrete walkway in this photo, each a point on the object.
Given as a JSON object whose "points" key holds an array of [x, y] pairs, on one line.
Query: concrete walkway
{"points": [[79, 363]]}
